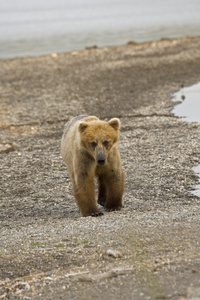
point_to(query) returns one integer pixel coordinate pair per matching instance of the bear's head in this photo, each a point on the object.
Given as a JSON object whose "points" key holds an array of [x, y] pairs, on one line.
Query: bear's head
{"points": [[98, 137]]}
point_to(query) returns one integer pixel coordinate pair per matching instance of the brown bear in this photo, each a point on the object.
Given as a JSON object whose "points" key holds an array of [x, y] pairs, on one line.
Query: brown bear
{"points": [[89, 148]]}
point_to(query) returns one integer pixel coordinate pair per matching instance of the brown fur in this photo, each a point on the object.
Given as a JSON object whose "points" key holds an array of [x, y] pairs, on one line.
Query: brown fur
{"points": [[89, 149]]}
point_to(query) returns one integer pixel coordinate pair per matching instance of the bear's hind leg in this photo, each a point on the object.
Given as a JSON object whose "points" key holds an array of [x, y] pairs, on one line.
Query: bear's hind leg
{"points": [[115, 192]]}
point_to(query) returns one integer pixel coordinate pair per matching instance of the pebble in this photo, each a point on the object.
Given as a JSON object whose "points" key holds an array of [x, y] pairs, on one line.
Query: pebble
{"points": [[114, 253]]}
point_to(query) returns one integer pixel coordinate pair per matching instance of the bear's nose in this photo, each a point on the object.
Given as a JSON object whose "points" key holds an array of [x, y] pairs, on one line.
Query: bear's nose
{"points": [[101, 162]]}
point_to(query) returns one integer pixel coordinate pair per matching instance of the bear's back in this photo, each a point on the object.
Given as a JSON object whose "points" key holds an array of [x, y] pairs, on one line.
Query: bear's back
{"points": [[71, 123]]}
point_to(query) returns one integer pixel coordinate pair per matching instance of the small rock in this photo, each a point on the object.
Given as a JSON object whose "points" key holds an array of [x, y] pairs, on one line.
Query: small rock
{"points": [[48, 278], [54, 55], [114, 253], [6, 148], [91, 47], [132, 43]]}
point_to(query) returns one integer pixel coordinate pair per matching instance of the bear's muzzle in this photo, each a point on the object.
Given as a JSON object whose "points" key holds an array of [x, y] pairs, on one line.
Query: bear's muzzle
{"points": [[100, 157]]}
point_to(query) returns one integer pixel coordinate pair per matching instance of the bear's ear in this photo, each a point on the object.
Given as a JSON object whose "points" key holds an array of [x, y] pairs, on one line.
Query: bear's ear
{"points": [[114, 123], [82, 126]]}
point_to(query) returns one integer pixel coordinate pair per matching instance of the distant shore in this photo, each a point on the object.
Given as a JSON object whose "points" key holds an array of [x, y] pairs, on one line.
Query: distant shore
{"points": [[88, 49]]}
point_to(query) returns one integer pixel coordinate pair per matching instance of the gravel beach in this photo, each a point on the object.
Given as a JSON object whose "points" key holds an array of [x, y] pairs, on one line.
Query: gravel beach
{"points": [[148, 250]]}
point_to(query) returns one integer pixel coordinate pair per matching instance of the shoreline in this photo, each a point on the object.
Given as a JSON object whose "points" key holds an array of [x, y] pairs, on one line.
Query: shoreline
{"points": [[88, 49]]}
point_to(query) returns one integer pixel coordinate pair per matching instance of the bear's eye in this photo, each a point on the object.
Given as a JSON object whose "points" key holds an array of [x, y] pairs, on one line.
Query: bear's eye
{"points": [[105, 143], [93, 144]]}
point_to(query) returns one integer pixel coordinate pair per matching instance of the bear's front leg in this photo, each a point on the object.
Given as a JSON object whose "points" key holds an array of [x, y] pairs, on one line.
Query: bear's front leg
{"points": [[85, 197], [115, 189], [102, 193]]}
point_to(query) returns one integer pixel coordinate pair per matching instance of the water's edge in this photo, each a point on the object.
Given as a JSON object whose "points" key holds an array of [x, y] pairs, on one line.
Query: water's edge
{"points": [[188, 109]]}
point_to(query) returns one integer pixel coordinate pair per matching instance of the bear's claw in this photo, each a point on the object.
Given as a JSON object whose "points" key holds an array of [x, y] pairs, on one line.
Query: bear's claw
{"points": [[113, 208], [96, 214]]}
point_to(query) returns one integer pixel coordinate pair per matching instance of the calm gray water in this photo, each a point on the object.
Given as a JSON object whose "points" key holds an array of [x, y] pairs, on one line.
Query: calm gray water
{"points": [[196, 192], [189, 110], [34, 27], [189, 107]]}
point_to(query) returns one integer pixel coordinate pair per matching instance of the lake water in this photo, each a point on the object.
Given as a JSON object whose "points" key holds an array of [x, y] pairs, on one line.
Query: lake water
{"points": [[196, 190], [189, 110], [34, 27], [189, 107]]}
